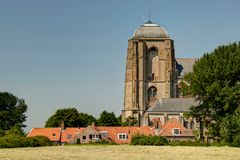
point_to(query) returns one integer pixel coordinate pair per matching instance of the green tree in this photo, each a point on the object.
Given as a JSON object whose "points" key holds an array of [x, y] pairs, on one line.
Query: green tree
{"points": [[130, 121], [215, 83], [184, 90], [67, 115], [85, 119], [119, 118], [12, 111], [230, 128], [107, 119], [16, 130]]}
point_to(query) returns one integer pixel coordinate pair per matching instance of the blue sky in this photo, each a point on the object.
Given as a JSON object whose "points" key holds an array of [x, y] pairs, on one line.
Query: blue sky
{"points": [[71, 53]]}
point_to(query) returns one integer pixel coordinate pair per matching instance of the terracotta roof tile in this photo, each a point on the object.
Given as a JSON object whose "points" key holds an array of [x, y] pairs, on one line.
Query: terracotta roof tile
{"points": [[129, 131], [53, 134], [167, 129], [68, 134]]}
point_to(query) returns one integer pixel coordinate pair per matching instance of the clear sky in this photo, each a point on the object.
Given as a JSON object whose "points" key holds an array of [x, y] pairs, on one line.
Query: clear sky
{"points": [[71, 53]]}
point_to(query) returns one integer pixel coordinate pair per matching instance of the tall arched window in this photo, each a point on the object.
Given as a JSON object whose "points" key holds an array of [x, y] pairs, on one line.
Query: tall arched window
{"points": [[152, 66], [152, 94]]}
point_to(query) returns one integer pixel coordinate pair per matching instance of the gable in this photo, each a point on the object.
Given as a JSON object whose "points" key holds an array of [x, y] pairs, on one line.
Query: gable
{"points": [[168, 129]]}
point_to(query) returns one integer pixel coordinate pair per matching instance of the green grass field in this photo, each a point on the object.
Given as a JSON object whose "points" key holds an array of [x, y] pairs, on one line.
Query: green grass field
{"points": [[120, 152]]}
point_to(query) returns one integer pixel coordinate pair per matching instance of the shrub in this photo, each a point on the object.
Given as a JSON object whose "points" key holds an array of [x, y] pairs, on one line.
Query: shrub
{"points": [[236, 141], [103, 141], [196, 143], [189, 143], [148, 140], [13, 141]]}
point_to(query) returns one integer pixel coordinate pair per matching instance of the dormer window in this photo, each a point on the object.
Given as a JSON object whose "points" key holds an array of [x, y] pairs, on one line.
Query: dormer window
{"points": [[176, 131], [69, 136], [104, 134], [54, 134]]}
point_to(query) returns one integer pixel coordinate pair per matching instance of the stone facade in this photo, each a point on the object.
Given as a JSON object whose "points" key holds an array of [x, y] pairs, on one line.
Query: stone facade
{"points": [[152, 72]]}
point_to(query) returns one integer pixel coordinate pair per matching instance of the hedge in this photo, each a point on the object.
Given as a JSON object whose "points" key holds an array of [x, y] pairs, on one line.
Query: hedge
{"points": [[148, 140], [13, 141]]}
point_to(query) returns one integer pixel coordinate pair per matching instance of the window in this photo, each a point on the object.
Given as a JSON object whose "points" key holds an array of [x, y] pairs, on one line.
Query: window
{"points": [[122, 136], [69, 136], [185, 124], [152, 93], [152, 64], [176, 131], [179, 92], [84, 137], [104, 134], [95, 136], [54, 134], [191, 125]]}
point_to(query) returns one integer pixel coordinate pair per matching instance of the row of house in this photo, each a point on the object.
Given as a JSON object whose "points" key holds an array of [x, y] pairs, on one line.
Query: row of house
{"points": [[172, 130]]}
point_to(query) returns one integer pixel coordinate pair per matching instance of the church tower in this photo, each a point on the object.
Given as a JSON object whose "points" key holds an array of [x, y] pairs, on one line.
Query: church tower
{"points": [[150, 70]]}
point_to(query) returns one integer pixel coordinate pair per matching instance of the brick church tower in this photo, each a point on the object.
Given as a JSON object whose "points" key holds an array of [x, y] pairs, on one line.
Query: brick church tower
{"points": [[150, 70]]}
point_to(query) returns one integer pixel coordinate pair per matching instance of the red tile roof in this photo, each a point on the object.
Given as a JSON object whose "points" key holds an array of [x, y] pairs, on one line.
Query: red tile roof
{"points": [[167, 129], [129, 131], [69, 133], [53, 134], [66, 135]]}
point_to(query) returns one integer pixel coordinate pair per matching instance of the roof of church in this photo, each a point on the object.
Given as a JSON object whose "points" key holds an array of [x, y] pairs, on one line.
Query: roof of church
{"points": [[150, 30], [173, 105], [185, 65]]}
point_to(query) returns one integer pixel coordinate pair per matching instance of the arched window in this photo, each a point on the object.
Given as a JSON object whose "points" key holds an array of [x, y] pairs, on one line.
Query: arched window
{"points": [[152, 93], [152, 66]]}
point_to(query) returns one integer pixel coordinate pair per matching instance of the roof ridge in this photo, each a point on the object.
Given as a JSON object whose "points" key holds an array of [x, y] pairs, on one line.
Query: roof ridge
{"points": [[187, 58]]}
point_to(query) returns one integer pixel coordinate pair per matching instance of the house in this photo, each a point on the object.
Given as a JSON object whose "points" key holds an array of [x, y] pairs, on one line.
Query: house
{"points": [[123, 135], [54, 134], [67, 134], [119, 135], [172, 130]]}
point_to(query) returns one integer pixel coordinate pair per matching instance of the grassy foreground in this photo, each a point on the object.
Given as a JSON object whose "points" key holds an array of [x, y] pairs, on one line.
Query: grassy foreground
{"points": [[120, 152]]}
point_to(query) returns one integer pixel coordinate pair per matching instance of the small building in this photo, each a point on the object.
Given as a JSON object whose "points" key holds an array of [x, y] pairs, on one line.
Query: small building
{"points": [[69, 133], [54, 134], [174, 131]]}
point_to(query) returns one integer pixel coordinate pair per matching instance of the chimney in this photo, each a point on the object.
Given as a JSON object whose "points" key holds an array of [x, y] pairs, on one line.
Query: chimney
{"points": [[62, 125], [93, 124]]}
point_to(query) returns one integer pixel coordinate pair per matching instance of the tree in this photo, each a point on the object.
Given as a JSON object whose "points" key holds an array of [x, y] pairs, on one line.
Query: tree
{"points": [[215, 83], [71, 118], [130, 121], [16, 131], [230, 128], [107, 119], [85, 119], [67, 115], [12, 111]]}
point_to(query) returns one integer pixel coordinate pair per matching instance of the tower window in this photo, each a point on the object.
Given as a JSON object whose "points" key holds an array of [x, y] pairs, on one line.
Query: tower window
{"points": [[152, 64], [152, 93]]}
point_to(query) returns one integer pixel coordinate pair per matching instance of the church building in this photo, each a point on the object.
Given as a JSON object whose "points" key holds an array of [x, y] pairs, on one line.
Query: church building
{"points": [[152, 80]]}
